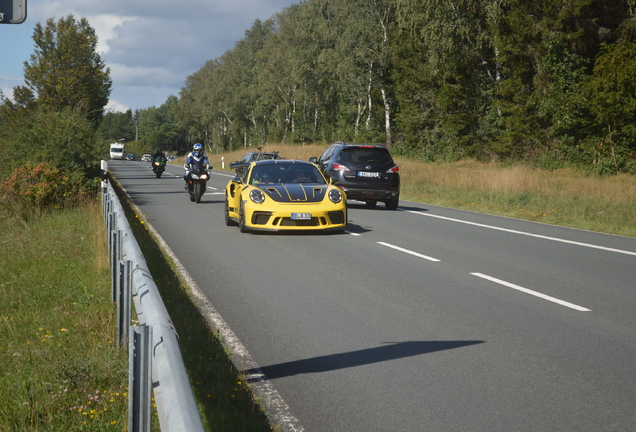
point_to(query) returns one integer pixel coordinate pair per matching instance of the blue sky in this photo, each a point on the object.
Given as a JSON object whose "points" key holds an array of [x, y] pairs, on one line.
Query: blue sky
{"points": [[150, 46]]}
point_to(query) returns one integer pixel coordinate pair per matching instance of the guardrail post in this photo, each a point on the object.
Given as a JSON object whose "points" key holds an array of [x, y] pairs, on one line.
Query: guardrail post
{"points": [[115, 256], [139, 379], [110, 227], [108, 206], [124, 307]]}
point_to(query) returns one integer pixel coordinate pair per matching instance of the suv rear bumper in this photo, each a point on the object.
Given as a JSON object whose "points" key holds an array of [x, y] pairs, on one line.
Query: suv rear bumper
{"points": [[366, 193]]}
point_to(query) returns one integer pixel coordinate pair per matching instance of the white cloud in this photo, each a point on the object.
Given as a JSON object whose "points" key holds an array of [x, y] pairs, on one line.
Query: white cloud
{"points": [[115, 106], [151, 46], [104, 26]]}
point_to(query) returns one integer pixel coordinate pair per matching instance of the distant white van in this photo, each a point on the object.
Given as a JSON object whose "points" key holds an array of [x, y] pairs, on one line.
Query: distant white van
{"points": [[117, 150]]}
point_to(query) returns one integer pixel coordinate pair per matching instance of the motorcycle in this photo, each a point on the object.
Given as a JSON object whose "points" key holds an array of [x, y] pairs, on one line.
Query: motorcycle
{"points": [[197, 181], [159, 166]]}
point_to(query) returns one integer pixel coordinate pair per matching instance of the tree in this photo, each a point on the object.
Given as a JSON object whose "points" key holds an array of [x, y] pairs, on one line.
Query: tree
{"points": [[65, 71], [613, 103], [63, 139], [117, 125], [158, 126]]}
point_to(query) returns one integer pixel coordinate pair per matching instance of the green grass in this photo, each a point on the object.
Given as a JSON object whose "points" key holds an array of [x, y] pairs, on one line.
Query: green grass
{"points": [[61, 367]]}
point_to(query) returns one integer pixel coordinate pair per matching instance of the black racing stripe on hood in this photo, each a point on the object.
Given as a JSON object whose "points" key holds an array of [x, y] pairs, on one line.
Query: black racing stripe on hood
{"points": [[295, 192]]}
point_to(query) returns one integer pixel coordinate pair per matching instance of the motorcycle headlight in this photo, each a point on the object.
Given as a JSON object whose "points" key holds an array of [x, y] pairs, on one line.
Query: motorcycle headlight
{"points": [[194, 176], [335, 196], [257, 196], [204, 176]]}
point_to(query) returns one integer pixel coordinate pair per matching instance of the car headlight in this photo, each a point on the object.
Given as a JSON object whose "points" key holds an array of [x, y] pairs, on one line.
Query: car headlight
{"points": [[335, 196], [257, 196]]}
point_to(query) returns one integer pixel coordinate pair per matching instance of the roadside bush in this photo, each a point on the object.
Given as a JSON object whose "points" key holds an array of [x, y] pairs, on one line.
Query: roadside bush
{"points": [[34, 189]]}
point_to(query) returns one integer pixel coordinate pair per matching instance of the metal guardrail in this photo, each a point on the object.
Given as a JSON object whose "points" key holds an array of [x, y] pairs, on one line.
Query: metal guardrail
{"points": [[155, 357]]}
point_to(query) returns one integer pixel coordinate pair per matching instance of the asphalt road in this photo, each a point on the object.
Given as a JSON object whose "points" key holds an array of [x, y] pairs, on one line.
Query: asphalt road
{"points": [[420, 319]]}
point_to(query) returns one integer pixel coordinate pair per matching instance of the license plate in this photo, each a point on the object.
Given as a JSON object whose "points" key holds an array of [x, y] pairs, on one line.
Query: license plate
{"points": [[301, 216], [368, 174]]}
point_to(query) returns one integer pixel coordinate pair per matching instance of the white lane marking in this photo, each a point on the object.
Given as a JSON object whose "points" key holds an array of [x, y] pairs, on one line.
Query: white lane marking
{"points": [[224, 175], [352, 233], [409, 252], [534, 293], [527, 234]]}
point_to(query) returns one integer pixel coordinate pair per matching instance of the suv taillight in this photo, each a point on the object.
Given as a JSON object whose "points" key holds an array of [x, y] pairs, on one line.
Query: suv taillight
{"points": [[338, 167], [393, 170]]}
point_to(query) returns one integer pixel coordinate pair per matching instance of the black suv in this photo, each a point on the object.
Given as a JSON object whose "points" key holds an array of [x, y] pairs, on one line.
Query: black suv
{"points": [[365, 172]]}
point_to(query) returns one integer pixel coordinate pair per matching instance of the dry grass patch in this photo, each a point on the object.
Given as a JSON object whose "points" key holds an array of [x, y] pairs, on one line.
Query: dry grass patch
{"points": [[562, 197]]}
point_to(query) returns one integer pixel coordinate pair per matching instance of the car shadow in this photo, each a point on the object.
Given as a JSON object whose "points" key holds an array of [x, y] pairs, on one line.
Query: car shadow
{"points": [[388, 352], [350, 228], [402, 207], [358, 205]]}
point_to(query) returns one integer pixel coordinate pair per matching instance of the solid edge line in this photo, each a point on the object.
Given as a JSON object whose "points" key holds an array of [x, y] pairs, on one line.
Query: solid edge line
{"points": [[534, 293], [409, 252], [527, 233], [274, 406]]}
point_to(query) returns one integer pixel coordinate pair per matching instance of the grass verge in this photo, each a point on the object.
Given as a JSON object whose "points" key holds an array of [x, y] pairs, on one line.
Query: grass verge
{"points": [[61, 367]]}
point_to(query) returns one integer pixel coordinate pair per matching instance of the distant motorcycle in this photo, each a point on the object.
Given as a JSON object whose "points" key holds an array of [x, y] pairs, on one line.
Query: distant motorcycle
{"points": [[197, 181], [159, 166]]}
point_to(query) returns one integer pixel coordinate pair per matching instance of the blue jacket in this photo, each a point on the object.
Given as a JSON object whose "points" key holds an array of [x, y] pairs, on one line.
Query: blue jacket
{"points": [[192, 158]]}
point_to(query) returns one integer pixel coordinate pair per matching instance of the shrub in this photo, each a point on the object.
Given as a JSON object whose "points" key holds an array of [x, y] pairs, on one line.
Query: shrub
{"points": [[33, 189]]}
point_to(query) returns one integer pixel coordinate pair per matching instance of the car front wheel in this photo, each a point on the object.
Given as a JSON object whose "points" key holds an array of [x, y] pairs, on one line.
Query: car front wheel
{"points": [[242, 227]]}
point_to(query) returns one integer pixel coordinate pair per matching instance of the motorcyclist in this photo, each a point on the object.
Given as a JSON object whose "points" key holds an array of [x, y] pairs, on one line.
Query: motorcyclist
{"points": [[159, 154], [197, 154]]}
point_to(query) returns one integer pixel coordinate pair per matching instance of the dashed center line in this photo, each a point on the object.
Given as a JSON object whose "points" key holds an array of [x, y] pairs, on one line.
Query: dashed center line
{"points": [[534, 293], [409, 252], [526, 233]]}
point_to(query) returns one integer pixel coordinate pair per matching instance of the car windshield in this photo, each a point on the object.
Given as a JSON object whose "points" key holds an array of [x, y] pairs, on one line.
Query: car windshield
{"points": [[286, 173], [366, 155]]}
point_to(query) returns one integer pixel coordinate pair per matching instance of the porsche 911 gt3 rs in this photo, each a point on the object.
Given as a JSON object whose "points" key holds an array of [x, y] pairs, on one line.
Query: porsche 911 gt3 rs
{"points": [[274, 195]]}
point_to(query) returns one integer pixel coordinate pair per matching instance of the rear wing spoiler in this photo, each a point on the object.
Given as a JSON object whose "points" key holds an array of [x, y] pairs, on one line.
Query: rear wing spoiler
{"points": [[236, 165]]}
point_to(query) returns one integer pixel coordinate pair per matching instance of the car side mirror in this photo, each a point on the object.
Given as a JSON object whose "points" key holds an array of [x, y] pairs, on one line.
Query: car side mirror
{"points": [[313, 159]]}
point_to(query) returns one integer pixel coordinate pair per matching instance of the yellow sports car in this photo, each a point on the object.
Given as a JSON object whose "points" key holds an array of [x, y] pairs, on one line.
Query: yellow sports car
{"points": [[273, 195]]}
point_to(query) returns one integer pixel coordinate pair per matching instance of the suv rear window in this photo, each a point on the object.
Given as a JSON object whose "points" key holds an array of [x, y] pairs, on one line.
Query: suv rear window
{"points": [[366, 155]]}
